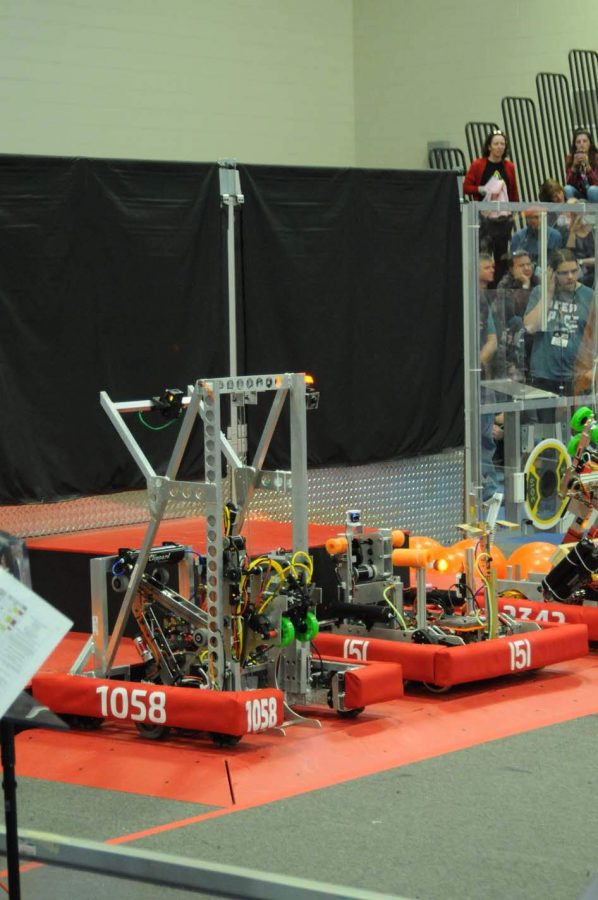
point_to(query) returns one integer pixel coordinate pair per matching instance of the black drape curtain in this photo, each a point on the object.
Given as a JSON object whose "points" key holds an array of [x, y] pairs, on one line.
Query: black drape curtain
{"points": [[355, 277], [113, 277]]}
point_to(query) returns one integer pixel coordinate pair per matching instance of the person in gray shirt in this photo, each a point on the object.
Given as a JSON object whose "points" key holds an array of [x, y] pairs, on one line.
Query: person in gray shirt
{"points": [[557, 347]]}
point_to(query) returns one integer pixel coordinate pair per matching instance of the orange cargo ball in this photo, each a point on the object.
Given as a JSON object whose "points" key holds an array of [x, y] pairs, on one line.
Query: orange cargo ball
{"points": [[455, 556], [499, 560], [418, 542], [533, 557], [455, 560]]}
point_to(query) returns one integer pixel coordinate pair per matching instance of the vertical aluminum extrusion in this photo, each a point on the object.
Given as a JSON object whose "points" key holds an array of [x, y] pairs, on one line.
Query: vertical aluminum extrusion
{"points": [[472, 371], [543, 263], [298, 461], [214, 537]]}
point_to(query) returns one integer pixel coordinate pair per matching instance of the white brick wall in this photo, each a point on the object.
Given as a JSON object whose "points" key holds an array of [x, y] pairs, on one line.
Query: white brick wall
{"points": [[307, 82], [266, 81]]}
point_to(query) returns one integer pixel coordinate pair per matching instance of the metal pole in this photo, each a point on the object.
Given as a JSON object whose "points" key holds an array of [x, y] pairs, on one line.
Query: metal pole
{"points": [[9, 785], [232, 289], [543, 262], [299, 462], [231, 197], [472, 374]]}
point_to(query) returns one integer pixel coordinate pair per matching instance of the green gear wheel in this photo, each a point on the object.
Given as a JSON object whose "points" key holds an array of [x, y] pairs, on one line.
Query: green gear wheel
{"points": [[287, 632], [580, 417], [572, 445], [312, 626]]}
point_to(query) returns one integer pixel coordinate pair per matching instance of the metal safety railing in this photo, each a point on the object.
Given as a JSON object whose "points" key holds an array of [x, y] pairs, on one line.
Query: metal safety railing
{"points": [[143, 866], [554, 100], [521, 123], [583, 66], [449, 159]]}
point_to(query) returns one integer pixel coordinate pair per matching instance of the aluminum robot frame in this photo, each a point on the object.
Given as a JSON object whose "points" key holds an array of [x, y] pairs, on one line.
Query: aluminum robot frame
{"points": [[235, 699]]}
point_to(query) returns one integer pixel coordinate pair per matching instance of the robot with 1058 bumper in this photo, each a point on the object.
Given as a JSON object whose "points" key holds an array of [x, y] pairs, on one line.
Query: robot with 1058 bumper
{"points": [[229, 652]]}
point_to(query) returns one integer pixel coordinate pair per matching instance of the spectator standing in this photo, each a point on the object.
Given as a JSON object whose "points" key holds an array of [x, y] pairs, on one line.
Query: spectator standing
{"points": [[512, 298], [568, 304], [490, 177], [493, 163], [488, 347]]}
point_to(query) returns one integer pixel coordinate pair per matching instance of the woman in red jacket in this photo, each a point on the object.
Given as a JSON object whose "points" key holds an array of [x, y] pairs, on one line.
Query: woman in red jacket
{"points": [[486, 179], [582, 168], [493, 163]]}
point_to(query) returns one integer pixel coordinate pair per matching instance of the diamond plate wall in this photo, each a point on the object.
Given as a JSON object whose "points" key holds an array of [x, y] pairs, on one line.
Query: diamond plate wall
{"points": [[423, 494], [105, 511]]}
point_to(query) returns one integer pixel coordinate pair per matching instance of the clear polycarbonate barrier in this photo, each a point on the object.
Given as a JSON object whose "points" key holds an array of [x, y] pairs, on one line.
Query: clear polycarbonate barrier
{"points": [[530, 353], [14, 558]]}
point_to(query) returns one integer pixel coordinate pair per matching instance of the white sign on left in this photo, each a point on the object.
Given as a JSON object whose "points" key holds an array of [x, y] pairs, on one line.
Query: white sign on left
{"points": [[29, 630]]}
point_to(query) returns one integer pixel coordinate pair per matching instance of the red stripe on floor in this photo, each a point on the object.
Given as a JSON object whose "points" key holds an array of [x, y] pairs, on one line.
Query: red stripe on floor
{"points": [[272, 766]]}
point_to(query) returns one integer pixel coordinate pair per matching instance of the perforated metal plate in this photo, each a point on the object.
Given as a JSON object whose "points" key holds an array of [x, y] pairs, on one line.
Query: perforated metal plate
{"points": [[423, 495]]}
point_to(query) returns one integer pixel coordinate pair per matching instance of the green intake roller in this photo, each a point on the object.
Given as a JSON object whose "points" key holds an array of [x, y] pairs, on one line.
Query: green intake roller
{"points": [[287, 632], [573, 444], [580, 417], [312, 626]]}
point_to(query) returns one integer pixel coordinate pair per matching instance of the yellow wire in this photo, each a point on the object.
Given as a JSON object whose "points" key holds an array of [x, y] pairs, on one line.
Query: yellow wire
{"points": [[265, 603], [278, 568], [239, 635], [258, 561], [295, 566], [281, 574], [252, 565], [400, 618], [308, 565], [274, 594]]}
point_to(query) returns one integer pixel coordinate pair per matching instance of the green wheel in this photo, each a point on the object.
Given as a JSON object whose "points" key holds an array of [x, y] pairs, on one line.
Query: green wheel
{"points": [[312, 626], [287, 632], [573, 444], [580, 417], [594, 435]]}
